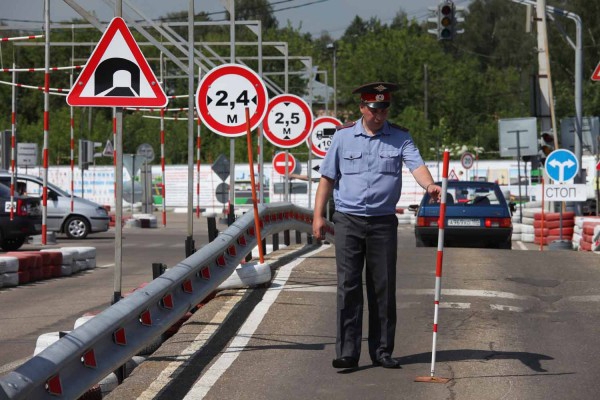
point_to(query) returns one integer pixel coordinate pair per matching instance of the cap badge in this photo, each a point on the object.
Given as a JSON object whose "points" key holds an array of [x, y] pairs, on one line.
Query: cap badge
{"points": [[380, 88], [379, 97]]}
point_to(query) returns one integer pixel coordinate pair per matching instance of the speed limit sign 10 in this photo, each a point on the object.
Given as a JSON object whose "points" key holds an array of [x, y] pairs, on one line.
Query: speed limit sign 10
{"points": [[223, 96], [322, 135]]}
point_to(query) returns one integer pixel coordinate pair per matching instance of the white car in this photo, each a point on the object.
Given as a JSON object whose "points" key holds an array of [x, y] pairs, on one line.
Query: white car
{"points": [[86, 217]]}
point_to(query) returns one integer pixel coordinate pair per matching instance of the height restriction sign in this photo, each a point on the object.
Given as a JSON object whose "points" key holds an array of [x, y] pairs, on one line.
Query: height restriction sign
{"points": [[288, 122], [223, 95], [322, 135]]}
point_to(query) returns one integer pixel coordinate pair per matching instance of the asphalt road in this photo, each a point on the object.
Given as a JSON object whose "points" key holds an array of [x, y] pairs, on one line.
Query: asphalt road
{"points": [[513, 325], [518, 324]]}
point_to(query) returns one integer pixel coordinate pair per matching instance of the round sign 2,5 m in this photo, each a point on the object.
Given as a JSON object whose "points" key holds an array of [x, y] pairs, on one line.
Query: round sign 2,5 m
{"points": [[223, 96], [288, 122]]}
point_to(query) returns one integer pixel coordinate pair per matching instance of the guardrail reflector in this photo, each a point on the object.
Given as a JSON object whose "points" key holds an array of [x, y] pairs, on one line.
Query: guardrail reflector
{"points": [[146, 318], [53, 385], [167, 302], [119, 337], [187, 286], [89, 359], [221, 260], [251, 231], [205, 273], [232, 251], [242, 240]]}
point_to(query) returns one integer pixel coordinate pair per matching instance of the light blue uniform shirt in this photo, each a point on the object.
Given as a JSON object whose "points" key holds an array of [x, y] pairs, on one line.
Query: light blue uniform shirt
{"points": [[367, 170]]}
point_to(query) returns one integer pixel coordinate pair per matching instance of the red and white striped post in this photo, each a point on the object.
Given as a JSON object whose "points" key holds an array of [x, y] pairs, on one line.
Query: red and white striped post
{"points": [[162, 165], [72, 124], [46, 119], [438, 272], [13, 140]]}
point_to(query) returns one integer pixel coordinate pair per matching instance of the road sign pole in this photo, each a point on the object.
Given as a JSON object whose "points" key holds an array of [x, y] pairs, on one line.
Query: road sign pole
{"points": [[287, 176], [119, 203]]}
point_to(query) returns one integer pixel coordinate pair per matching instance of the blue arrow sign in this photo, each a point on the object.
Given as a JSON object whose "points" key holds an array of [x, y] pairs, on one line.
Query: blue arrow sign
{"points": [[562, 165]]}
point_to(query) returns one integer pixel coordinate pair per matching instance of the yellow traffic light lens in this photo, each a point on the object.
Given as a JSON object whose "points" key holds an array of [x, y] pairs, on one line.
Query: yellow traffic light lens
{"points": [[446, 21]]}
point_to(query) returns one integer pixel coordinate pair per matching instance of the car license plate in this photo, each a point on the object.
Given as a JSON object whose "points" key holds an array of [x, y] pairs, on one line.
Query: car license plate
{"points": [[463, 222]]}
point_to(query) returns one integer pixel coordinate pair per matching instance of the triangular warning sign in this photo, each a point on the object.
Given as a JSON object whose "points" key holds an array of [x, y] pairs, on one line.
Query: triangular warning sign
{"points": [[452, 176], [117, 74], [108, 149], [596, 74]]}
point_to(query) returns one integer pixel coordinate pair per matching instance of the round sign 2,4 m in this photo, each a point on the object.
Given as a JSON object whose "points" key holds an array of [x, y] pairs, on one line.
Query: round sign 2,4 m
{"points": [[223, 95], [288, 122]]}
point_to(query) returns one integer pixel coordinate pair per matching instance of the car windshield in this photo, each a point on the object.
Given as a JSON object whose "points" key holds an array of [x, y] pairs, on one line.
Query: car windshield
{"points": [[470, 194]]}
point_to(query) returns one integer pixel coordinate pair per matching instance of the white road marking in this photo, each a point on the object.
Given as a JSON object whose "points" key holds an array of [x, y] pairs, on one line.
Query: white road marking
{"points": [[500, 307], [205, 383], [174, 368], [521, 245], [463, 306], [466, 293]]}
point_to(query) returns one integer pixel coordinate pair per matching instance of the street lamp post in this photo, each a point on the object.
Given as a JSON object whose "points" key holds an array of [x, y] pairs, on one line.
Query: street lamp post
{"points": [[332, 47]]}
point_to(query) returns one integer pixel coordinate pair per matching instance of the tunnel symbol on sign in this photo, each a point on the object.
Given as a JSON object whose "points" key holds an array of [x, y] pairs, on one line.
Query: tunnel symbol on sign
{"points": [[117, 77]]}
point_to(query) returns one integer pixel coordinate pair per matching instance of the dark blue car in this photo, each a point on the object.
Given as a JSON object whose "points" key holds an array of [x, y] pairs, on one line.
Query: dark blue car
{"points": [[477, 215]]}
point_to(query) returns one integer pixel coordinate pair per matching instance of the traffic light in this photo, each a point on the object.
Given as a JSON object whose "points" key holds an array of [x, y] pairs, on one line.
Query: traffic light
{"points": [[546, 145], [446, 20], [83, 160]]}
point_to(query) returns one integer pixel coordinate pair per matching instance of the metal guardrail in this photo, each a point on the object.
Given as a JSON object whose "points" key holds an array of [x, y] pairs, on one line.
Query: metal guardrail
{"points": [[83, 357]]}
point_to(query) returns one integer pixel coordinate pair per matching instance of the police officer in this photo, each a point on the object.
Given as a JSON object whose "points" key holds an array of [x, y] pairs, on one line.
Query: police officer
{"points": [[363, 168]]}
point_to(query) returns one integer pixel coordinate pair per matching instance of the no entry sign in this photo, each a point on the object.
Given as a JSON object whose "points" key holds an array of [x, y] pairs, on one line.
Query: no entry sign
{"points": [[322, 135], [288, 122], [223, 96], [279, 163]]}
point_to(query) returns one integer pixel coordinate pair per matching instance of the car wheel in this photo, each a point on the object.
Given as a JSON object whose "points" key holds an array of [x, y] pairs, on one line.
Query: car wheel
{"points": [[77, 228], [11, 244]]}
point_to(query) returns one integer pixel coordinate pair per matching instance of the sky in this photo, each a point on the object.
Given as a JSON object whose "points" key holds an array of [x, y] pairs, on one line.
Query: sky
{"points": [[310, 16]]}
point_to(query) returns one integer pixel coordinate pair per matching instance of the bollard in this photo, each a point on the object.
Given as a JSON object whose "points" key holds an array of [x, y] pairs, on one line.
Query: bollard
{"points": [[212, 228], [286, 237], [189, 246], [298, 237], [275, 241], [158, 269]]}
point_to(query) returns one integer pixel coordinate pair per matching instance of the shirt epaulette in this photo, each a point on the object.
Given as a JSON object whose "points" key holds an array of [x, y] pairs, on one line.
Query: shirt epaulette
{"points": [[348, 125], [399, 127]]}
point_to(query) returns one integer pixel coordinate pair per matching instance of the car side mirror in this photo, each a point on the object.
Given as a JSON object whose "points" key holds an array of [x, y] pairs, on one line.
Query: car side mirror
{"points": [[512, 206], [52, 195], [413, 207]]}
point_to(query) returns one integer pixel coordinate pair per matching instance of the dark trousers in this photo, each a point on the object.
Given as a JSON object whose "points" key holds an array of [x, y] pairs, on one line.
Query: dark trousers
{"points": [[369, 241]]}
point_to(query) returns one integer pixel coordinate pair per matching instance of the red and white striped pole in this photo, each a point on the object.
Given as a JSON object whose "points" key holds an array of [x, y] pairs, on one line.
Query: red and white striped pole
{"points": [[438, 272], [162, 165], [13, 140], [46, 119], [72, 124]]}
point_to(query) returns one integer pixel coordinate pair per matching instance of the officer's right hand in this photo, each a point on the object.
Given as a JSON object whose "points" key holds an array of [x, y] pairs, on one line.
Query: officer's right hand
{"points": [[319, 227]]}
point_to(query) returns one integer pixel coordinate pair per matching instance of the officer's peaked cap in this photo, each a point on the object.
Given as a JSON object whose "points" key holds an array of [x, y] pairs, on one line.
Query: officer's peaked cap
{"points": [[376, 94]]}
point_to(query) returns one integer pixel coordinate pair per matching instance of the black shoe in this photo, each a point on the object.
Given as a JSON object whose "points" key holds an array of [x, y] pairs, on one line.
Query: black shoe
{"points": [[345, 362], [387, 362]]}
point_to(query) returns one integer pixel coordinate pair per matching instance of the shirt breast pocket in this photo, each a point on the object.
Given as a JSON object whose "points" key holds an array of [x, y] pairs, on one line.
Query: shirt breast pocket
{"points": [[350, 162], [389, 161]]}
